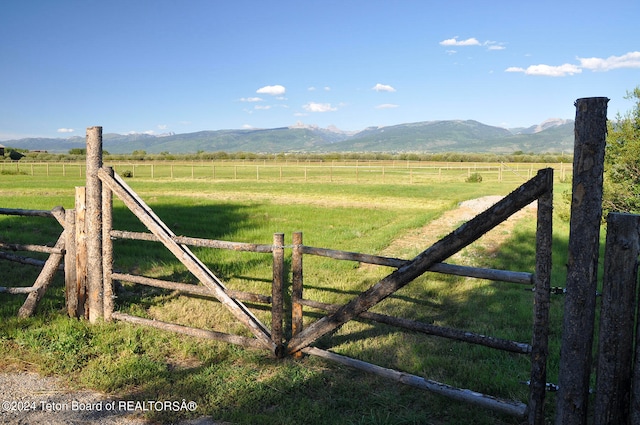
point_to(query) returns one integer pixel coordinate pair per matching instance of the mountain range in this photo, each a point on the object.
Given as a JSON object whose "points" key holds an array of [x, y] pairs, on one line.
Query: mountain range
{"points": [[551, 136]]}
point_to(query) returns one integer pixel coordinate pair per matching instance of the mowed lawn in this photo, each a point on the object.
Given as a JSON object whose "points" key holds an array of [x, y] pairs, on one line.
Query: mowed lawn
{"points": [[248, 386]]}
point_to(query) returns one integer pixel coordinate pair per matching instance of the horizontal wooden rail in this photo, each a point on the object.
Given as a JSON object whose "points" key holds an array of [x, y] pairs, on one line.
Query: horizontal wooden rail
{"points": [[26, 213], [426, 328], [185, 330], [475, 272], [207, 243], [19, 290], [190, 288], [25, 260], [30, 248], [513, 408]]}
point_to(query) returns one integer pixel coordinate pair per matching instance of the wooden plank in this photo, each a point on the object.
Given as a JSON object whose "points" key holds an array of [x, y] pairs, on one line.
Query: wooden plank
{"points": [[513, 408], [617, 319], [542, 299], [43, 281], [582, 266], [185, 330], [141, 210], [444, 248], [17, 290], [24, 260]]}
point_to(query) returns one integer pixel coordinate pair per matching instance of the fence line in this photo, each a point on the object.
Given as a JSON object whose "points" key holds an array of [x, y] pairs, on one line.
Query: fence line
{"points": [[380, 172]]}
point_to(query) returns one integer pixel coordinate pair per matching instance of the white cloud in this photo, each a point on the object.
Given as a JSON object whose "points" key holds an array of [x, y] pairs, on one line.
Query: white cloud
{"points": [[548, 70], [319, 107], [248, 127], [262, 107], [387, 106], [272, 90], [65, 130], [629, 60], [162, 127], [383, 87], [327, 88], [455, 42], [311, 88], [250, 99]]}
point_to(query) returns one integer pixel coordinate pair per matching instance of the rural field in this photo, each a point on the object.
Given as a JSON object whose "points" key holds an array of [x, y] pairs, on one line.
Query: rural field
{"points": [[393, 208]]}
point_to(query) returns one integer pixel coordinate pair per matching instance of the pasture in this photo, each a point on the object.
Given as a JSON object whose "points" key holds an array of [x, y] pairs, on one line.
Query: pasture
{"points": [[375, 208]]}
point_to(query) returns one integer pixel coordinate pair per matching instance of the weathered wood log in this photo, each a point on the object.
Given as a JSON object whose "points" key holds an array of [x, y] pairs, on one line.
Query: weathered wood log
{"points": [[81, 253], [30, 248], [444, 248], [429, 329], [107, 251], [94, 225], [445, 268], [43, 281], [277, 294], [70, 273], [542, 299], [582, 268], [17, 290], [141, 210], [296, 287], [25, 260], [188, 288], [199, 333], [617, 317], [513, 408], [26, 213], [206, 243]]}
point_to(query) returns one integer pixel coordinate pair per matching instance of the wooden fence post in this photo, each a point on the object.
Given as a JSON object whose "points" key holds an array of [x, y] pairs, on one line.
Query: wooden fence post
{"points": [[107, 249], [296, 290], [70, 274], [617, 314], [94, 224], [542, 282], [81, 253], [277, 293], [582, 267]]}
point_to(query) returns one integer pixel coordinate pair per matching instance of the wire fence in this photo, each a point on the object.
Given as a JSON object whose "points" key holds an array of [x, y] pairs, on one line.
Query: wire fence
{"points": [[375, 172]]}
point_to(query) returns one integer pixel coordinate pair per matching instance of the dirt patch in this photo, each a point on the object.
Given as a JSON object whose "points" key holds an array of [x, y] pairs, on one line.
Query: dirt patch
{"points": [[417, 240]]}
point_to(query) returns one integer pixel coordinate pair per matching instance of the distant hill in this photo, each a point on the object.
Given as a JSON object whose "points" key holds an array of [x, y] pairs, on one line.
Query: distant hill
{"points": [[428, 136]]}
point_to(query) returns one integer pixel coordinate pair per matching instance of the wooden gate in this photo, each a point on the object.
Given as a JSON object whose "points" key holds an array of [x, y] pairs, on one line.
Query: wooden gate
{"points": [[539, 188]]}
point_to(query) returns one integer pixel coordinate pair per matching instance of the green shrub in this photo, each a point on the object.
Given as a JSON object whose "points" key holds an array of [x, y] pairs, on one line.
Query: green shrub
{"points": [[474, 178]]}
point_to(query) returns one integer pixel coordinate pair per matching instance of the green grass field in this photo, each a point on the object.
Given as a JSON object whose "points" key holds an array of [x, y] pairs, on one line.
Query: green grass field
{"points": [[247, 386]]}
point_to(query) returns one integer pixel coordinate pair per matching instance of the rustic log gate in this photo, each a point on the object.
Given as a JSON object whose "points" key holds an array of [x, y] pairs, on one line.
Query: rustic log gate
{"points": [[100, 233]]}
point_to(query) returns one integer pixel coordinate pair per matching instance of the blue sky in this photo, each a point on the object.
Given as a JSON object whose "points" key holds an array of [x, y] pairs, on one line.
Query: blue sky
{"points": [[183, 66]]}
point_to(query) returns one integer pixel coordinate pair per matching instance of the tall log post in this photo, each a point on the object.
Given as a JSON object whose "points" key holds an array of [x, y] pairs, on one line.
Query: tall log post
{"points": [[277, 293], [617, 314], [107, 249], [296, 290], [81, 253], [94, 224], [582, 267], [70, 274], [542, 282]]}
